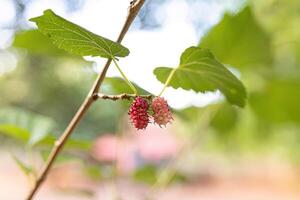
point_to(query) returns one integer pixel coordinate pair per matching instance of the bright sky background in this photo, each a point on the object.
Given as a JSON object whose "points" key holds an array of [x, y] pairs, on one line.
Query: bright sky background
{"points": [[149, 48]]}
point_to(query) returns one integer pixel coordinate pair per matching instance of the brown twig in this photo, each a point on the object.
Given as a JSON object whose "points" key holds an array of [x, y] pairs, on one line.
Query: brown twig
{"points": [[134, 8], [120, 96]]}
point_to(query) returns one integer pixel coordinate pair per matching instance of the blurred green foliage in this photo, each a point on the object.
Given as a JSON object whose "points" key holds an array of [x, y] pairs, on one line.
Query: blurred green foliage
{"points": [[27, 170], [148, 174], [278, 101], [260, 42], [28, 127], [239, 40]]}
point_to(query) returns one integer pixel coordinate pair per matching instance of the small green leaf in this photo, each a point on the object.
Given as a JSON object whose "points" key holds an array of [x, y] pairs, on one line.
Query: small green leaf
{"points": [[25, 125], [75, 39], [116, 85], [15, 131], [72, 143], [93, 171], [27, 170], [201, 72], [41, 128], [146, 174]]}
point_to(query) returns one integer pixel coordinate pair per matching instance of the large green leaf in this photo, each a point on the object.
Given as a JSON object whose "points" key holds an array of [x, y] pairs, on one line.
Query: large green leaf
{"points": [[225, 118], [75, 39], [238, 40], [37, 43], [278, 102], [222, 117], [201, 72]]}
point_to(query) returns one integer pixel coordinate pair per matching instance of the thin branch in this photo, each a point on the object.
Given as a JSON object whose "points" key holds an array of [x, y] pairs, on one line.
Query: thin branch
{"points": [[120, 96], [134, 8]]}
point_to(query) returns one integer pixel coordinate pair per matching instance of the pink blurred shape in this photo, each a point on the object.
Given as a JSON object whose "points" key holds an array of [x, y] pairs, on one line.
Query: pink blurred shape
{"points": [[152, 145], [105, 148], [157, 144], [109, 148]]}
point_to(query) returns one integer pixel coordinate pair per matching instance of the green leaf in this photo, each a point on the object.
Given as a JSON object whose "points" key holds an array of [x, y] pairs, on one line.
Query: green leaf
{"points": [[93, 171], [24, 125], [201, 72], [15, 132], [37, 43], [27, 170], [146, 174], [278, 101], [238, 40], [40, 129], [116, 85], [225, 118], [72, 143], [75, 39], [190, 114], [149, 174]]}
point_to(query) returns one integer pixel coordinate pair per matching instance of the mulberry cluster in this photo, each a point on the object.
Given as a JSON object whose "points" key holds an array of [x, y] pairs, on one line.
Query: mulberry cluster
{"points": [[139, 113], [161, 112], [140, 117]]}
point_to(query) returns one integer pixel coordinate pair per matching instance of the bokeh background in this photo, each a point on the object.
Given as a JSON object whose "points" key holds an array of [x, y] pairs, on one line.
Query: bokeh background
{"points": [[212, 150]]}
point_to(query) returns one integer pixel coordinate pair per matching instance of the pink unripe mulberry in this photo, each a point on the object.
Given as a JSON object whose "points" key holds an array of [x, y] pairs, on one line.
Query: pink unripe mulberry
{"points": [[161, 111], [139, 113]]}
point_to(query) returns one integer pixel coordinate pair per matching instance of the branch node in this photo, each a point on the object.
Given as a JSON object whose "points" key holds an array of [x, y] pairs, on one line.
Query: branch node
{"points": [[57, 143], [95, 96]]}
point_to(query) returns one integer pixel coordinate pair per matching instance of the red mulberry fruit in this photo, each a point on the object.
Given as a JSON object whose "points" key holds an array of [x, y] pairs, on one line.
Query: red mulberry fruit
{"points": [[161, 111], [139, 113]]}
